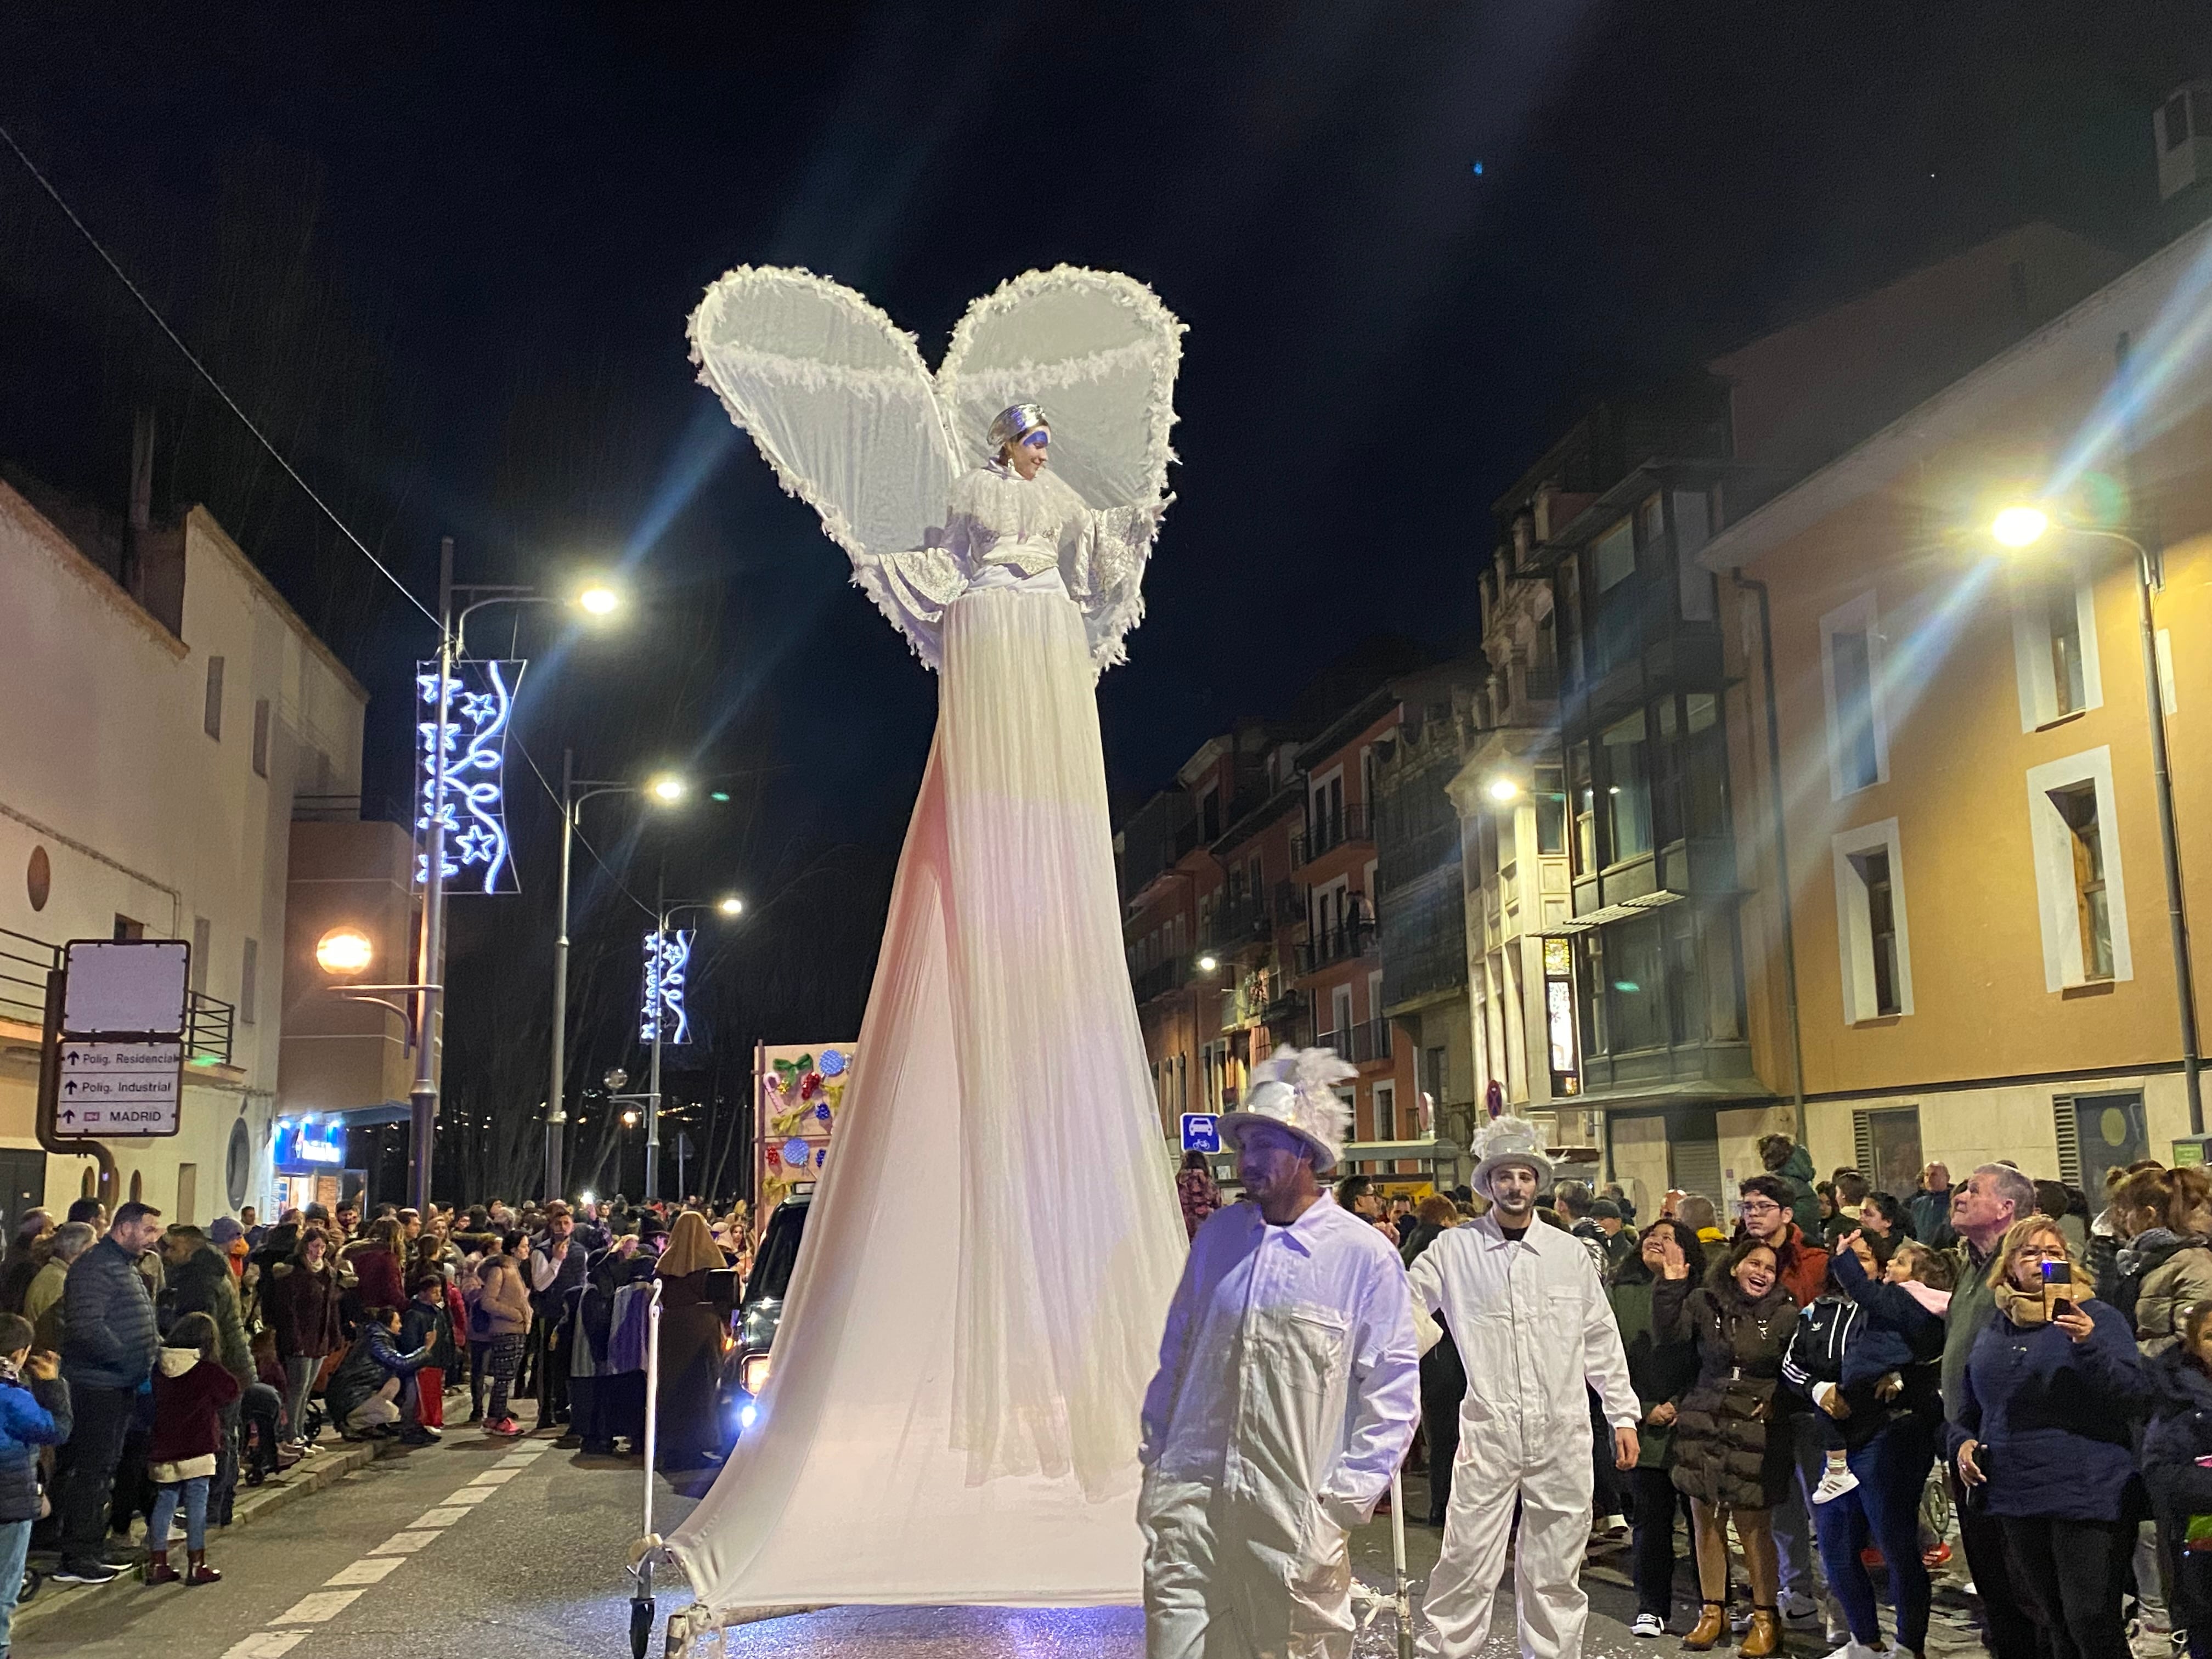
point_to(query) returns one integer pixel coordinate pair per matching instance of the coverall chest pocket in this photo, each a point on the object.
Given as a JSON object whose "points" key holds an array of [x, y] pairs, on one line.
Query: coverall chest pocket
{"points": [[1312, 1345]]}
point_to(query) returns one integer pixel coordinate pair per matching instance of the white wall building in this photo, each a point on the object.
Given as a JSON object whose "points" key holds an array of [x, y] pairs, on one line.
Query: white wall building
{"points": [[150, 750]]}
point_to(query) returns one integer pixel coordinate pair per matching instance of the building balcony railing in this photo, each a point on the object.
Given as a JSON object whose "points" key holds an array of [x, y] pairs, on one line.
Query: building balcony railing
{"points": [[1285, 1017], [1247, 917], [24, 964], [1171, 974], [1325, 831], [211, 1023], [1355, 938], [1367, 1040], [1246, 1002]]}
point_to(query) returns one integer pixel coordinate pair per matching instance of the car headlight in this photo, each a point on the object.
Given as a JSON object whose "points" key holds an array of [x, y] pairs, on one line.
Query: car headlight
{"points": [[752, 1374]]}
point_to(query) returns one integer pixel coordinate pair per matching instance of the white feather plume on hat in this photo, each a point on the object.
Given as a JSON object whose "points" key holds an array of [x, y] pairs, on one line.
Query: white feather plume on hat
{"points": [[1509, 1139], [1295, 1089]]}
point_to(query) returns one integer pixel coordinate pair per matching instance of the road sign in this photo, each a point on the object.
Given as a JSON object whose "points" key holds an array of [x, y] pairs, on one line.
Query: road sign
{"points": [[131, 986], [1201, 1132], [110, 1089]]}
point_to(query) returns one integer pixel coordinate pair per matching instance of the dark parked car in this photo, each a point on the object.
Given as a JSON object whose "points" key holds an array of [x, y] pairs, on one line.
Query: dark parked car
{"points": [[745, 1370]]}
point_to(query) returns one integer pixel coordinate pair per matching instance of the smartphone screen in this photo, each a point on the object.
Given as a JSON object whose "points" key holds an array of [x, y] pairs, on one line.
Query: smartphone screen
{"points": [[2058, 1288]]}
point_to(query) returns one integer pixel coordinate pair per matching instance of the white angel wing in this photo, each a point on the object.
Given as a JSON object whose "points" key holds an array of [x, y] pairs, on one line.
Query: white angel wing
{"points": [[837, 400], [1098, 350]]}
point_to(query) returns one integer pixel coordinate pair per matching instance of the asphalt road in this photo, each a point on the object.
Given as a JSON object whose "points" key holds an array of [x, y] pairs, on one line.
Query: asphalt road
{"points": [[514, 1550]]}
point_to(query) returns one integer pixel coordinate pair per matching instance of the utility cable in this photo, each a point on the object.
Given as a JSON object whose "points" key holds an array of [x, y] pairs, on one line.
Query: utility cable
{"points": [[230, 401]]}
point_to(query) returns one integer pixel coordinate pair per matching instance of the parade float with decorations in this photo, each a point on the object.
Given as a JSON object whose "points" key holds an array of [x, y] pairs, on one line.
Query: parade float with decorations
{"points": [[798, 1089]]}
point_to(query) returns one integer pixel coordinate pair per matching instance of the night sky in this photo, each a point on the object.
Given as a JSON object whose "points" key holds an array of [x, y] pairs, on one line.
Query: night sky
{"points": [[449, 253]]}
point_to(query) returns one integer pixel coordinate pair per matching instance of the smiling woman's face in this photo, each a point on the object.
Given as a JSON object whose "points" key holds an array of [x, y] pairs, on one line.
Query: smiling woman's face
{"points": [[1755, 1274], [1028, 456]]}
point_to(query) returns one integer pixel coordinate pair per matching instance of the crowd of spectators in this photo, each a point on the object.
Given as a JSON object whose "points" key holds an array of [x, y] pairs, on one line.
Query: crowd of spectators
{"points": [[148, 1371], [1857, 1382]]}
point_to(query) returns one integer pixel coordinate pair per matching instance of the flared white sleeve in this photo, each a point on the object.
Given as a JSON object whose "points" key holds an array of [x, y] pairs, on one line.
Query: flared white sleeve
{"points": [[912, 588], [1104, 570]]}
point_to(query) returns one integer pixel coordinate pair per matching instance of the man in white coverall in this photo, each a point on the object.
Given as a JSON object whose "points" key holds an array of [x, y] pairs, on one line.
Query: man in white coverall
{"points": [[1288, 1389], [1522, 1301]]}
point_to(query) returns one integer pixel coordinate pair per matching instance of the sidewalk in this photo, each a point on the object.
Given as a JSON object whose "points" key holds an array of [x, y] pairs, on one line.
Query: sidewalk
{"points": [[337, 1460]]}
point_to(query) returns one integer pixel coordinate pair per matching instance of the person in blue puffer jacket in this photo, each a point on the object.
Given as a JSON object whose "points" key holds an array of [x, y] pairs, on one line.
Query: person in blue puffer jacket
{"points": [[34, 1411], [2043, 1438], [2177, 1468]]}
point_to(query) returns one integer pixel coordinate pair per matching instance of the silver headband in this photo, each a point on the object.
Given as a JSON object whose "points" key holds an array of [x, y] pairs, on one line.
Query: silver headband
{"points": [[1015, 424]]}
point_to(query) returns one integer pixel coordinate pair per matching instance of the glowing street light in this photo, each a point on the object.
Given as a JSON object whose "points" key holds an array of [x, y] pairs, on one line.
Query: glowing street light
{"points": [[1505, 789], [599, 600], [1208, 963], [2020, 525], [667, 788], [344, 949], [629, 1119], [731, 906]]}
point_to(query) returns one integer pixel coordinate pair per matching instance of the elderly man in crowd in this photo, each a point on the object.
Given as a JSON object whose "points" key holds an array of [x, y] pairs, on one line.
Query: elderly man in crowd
{"points": [[1287, 1392], [42, 1303], [1994, 1197]]}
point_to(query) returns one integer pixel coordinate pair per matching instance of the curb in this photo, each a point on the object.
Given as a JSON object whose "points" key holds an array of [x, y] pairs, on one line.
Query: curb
{"points": [[327, 1468]]}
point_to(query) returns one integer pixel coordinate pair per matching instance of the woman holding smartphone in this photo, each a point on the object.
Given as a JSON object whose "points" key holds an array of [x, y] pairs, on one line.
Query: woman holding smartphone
{"points": [[2044, 1438]]}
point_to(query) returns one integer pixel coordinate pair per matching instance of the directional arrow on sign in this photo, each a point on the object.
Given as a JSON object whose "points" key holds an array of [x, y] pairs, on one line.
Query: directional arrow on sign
{"points": [[69, 1116]]}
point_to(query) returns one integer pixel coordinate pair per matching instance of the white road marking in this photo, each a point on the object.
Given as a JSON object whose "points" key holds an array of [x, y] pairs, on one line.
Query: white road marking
{"points": [[266, 1644], [494, 1477], [322, 1606], [404, 1543], [469, 1495], [518, 1460], [441, 1517], [371, 1570]]}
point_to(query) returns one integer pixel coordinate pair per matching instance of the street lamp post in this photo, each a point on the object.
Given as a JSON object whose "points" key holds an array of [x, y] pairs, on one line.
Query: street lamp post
{"points": [[666, 789], [2021, 527], [596, 599], [730, 906]]}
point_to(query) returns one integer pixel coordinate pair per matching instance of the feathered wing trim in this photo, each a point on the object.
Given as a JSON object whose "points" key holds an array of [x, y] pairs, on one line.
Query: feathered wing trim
{"points": [[839, 403], [1101, 352]]}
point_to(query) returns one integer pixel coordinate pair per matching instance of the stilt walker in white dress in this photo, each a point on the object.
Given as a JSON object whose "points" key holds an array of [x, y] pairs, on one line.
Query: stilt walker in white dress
{"points": [[1523, 1303], [952, 1414]]}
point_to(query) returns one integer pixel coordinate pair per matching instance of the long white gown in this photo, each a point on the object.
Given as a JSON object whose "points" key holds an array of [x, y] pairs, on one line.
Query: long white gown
{"points": [[952, 1415]]}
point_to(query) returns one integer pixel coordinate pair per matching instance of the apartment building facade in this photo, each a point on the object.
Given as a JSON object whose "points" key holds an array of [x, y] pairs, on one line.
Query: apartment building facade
{"points": [[163, 705], [1965, 918]]}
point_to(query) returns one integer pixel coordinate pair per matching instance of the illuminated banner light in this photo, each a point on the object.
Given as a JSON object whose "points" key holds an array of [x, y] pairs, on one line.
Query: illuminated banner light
{"points": [[661, 1008], [479, 705]]}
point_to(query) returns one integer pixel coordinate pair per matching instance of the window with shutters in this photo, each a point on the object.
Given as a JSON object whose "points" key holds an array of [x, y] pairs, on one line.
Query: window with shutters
{"points": [[2054, 622], [1872, 938], [2092, 898], [2080, 893], [1850, 675]]}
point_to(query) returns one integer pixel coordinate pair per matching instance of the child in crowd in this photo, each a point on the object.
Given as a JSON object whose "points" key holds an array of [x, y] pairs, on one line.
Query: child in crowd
{"points": [[34, 1411], [191, 1389], [1899, 1337], [2177, 1466], [425, 1323]]}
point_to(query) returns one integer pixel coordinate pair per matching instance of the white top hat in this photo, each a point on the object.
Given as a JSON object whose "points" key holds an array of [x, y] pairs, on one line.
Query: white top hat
{"points": [[1295, 1089], [1509, 1139]]}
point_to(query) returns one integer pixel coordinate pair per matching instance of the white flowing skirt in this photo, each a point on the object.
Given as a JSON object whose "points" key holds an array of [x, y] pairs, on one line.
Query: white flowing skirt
{"points": [[952, 1412]]}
